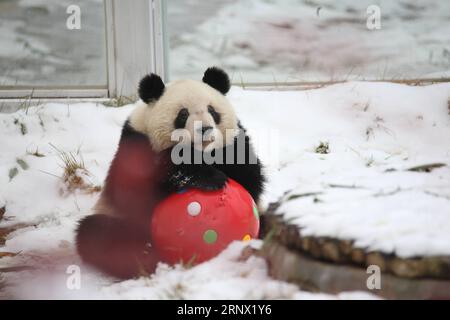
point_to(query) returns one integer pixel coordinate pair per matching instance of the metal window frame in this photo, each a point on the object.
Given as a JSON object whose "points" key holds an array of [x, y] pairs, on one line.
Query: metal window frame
{"points": [[134, 45]]}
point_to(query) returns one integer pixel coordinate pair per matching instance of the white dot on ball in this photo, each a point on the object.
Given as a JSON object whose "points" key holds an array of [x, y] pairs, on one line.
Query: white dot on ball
{"points": [[194, 208]]}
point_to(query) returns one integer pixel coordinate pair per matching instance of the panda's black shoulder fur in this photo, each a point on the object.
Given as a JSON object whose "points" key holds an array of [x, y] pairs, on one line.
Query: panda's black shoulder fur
{"points": [[130, 133], [250, 173]]}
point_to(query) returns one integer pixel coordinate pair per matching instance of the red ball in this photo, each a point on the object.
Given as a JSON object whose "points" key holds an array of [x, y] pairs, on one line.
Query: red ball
{"points": [[193, 225]]}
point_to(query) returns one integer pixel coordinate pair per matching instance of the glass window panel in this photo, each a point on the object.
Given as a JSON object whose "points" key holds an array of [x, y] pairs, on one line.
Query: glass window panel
{"points": [[37, 49], [308, 40]]}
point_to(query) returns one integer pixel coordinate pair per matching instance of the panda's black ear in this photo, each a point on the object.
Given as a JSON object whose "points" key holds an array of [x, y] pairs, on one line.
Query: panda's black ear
{"points": [[218, 79], [151, 88]]}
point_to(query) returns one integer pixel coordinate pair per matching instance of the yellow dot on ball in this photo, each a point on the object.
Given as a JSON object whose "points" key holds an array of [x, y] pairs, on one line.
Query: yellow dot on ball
{"points": [[247, 237]]}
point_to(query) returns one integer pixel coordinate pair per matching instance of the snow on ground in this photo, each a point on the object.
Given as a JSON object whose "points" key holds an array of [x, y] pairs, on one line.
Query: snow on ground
{"points": [[316, 40], [364, 192], [375, 131], [224, 277]]}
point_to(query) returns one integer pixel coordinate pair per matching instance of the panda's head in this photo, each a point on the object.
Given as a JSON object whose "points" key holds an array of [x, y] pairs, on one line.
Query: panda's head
{"points": [[191, 108]]}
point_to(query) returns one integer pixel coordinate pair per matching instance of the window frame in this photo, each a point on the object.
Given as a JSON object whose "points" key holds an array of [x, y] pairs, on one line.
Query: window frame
{"points": [[127, 58]]}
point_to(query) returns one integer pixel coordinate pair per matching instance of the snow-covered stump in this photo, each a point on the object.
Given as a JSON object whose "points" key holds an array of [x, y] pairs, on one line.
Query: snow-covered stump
{"points": [[320, 276], [332, 265]]}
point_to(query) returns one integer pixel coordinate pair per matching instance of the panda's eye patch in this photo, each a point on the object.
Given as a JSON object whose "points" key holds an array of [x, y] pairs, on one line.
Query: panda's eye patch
{"points": [[214, 114], [180, 121]]}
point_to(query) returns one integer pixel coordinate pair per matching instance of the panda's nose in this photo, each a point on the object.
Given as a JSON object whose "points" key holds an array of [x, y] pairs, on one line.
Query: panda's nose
{"points": [[202, 130]]}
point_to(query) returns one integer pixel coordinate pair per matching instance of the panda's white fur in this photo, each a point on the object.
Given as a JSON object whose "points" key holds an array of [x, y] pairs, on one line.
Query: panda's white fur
{"points": [[156, 119]]}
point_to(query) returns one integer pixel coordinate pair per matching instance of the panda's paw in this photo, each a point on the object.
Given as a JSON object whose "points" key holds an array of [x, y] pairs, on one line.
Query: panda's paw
{"points": [[209, 179]]}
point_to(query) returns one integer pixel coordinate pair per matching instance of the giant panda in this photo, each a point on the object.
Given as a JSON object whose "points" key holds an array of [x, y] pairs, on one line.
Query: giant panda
{"points": [[116, 237]]}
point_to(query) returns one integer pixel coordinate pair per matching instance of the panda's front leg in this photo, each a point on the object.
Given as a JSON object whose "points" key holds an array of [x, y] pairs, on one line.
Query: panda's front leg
{"points": [[200, 176]]}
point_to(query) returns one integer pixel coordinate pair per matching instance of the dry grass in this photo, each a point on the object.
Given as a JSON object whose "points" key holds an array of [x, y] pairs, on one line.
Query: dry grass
{"points": [[370, 161], [5, 231], [7, 254], [12, 173], [71, 162], [427, 167], [75, 174], [323, 148], [22, 126], [23, 164], [36, 153], [190, 263], [119, 101], [303, 195]]}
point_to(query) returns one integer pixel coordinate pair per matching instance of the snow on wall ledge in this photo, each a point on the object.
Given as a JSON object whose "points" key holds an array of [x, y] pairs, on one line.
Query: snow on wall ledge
{"points": [[362, 190]]}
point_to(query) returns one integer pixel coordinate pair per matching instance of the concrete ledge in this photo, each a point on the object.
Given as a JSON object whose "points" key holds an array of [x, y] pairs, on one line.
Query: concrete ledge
{"points": [[315, 275], [340, 251]]}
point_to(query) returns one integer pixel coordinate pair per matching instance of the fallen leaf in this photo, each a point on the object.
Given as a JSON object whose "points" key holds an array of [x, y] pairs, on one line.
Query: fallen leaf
{"points": [[8, 254]]}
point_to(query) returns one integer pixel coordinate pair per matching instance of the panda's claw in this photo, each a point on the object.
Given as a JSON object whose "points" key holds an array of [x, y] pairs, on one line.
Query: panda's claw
{"points": [[204, 177], [210, 185]]}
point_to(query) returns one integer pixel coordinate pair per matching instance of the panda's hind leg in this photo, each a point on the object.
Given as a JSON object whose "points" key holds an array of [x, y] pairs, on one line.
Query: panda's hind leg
{"points": [[115, 246]]}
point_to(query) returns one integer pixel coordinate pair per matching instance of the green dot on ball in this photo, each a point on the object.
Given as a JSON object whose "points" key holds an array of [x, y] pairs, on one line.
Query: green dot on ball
{"points": [[210, 236], [255, 212]]}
